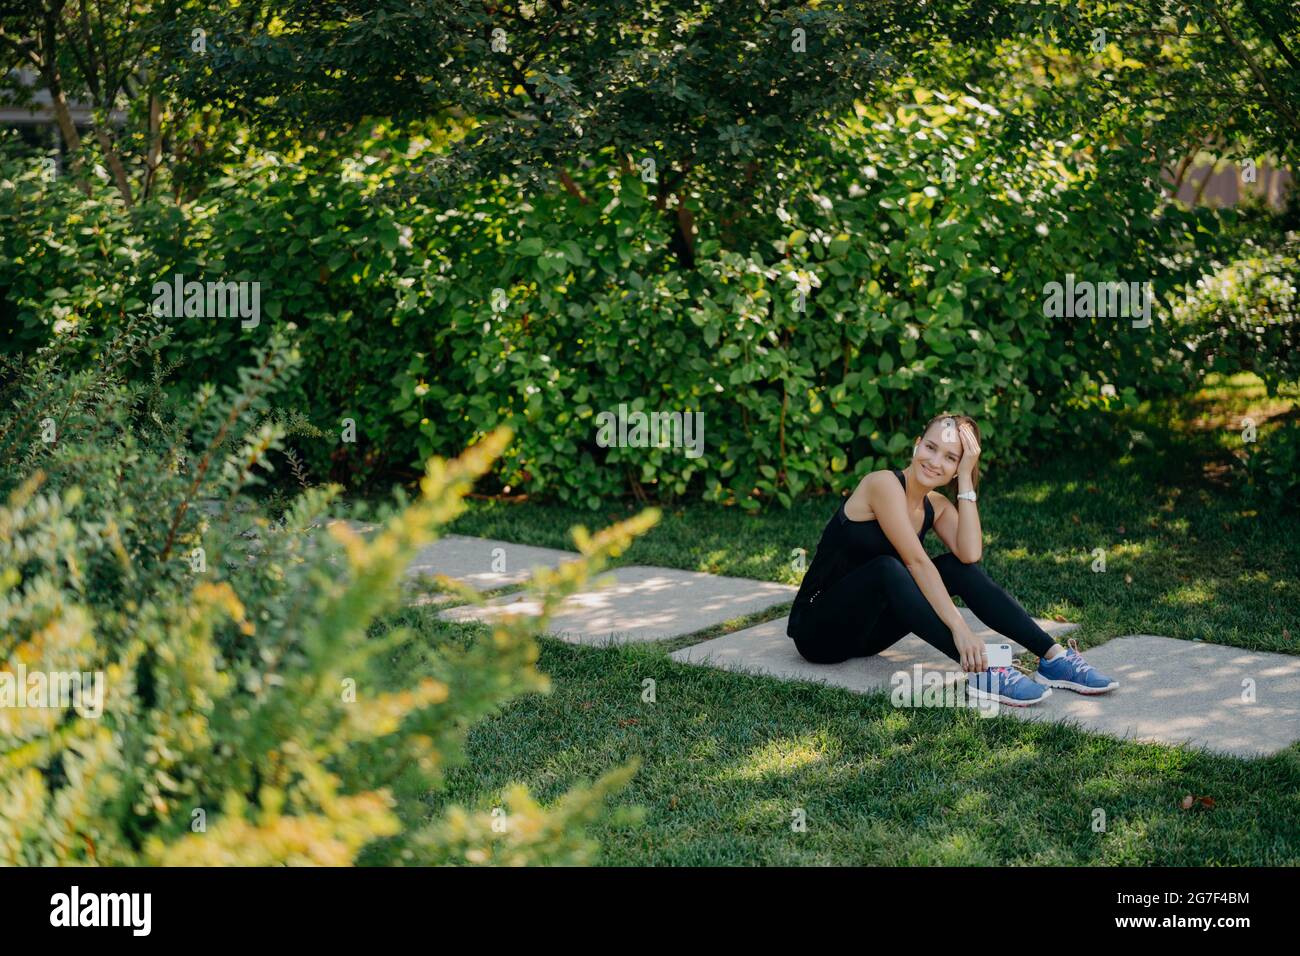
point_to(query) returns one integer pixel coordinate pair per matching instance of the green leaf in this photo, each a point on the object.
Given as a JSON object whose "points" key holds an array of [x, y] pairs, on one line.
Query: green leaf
{"points": [[939, 340]]}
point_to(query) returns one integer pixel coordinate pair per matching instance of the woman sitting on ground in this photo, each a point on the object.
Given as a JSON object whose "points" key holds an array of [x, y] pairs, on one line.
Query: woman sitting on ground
{"points": [[871, 581]]}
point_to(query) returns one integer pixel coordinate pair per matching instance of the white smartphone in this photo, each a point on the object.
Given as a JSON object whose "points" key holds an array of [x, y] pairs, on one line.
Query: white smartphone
{"points": [[998, 655]]}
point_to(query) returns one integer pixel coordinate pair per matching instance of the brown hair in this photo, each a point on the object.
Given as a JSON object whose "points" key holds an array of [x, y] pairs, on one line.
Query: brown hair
{"points": [[958, 420]]}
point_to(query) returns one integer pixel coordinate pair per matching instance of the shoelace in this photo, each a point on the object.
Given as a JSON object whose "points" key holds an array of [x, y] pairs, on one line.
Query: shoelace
{"points": [[1080, 664], [1007, 675]]}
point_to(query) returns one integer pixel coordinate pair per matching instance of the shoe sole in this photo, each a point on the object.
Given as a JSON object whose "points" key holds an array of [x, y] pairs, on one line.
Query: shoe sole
{"points": [[1009, 701], [1077, 688]]}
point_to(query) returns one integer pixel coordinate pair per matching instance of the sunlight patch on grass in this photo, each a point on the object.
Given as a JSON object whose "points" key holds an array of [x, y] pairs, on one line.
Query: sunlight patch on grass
{"points": [[1030, 494], [779, 758], [894, 723], [1130, 549], [1007, 753], [959, 849], [717, 558], [1199, 592], [1253, 577], [972, 801]]}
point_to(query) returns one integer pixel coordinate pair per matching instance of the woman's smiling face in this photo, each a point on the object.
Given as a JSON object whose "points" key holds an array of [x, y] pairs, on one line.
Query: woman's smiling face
{"points": [[934, 461]]}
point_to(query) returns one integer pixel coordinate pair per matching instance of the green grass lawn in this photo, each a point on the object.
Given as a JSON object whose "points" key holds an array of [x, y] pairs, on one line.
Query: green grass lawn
{"points": [[727, 760]]}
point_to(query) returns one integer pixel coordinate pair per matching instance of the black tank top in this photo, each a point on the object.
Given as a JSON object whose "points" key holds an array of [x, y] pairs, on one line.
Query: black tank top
{"points": [[846, 544]]}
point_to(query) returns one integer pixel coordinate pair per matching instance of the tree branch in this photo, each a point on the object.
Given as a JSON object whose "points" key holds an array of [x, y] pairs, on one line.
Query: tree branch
{"points": [[1231, 37], [572, 187], [1274, 37], [18, 47]]}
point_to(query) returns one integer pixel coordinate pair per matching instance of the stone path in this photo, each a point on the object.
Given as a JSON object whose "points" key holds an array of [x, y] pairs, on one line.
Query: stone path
{"points": [[1211, 696], [1173, 692], [482, 562], [643, 604], [765, 649]]}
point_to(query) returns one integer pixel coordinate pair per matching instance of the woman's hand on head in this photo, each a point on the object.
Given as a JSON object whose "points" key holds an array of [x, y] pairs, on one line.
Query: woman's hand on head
{"points": [[970, 450]]}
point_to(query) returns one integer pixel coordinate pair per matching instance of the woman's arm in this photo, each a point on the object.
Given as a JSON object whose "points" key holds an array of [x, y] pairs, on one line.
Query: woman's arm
{"points": [[970, 536], [888, 501], [958, 527]]}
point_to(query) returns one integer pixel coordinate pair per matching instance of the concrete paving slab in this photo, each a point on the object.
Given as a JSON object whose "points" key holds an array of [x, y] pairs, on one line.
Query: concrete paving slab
{"points": [[644, 604], [1209, 696], [1171, 692], [484, 562], [765, 649]]}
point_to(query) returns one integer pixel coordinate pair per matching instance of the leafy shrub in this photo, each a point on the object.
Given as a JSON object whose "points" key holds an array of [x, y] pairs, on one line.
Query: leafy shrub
{"points": [[1270, 472], [429, 327], [245, 718], [1245, 316], [918, 294]]}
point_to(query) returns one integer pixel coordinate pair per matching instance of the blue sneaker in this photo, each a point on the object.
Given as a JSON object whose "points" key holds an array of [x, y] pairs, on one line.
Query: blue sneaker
{"points": [[1071, 671], [1006, 685]]}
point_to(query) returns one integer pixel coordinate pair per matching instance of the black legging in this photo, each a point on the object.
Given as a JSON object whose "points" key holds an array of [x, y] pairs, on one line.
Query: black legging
{"points": [[879, 603]]}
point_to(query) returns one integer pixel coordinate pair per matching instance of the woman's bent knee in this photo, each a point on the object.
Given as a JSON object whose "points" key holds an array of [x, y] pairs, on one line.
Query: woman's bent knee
{"points": [[814, 654], [888, 564], [951, 562]]}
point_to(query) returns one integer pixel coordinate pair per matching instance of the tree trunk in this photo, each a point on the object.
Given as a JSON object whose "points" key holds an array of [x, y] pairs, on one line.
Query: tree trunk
{"points": [[67, 128], [154, 154], [114, 163]]}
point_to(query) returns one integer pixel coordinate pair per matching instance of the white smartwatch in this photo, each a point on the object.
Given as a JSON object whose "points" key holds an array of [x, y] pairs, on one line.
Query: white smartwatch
{"points": [[968, 495]]}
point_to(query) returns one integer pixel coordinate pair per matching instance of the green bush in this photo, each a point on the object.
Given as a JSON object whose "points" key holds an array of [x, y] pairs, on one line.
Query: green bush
{"points": [[918, 240], [1270, 471], [918, 294], [1245, 316], [245, 716], [65, 259]]}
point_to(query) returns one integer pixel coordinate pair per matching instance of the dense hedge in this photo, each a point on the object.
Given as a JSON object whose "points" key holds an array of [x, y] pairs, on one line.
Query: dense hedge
{"points": [[921, 238]]}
